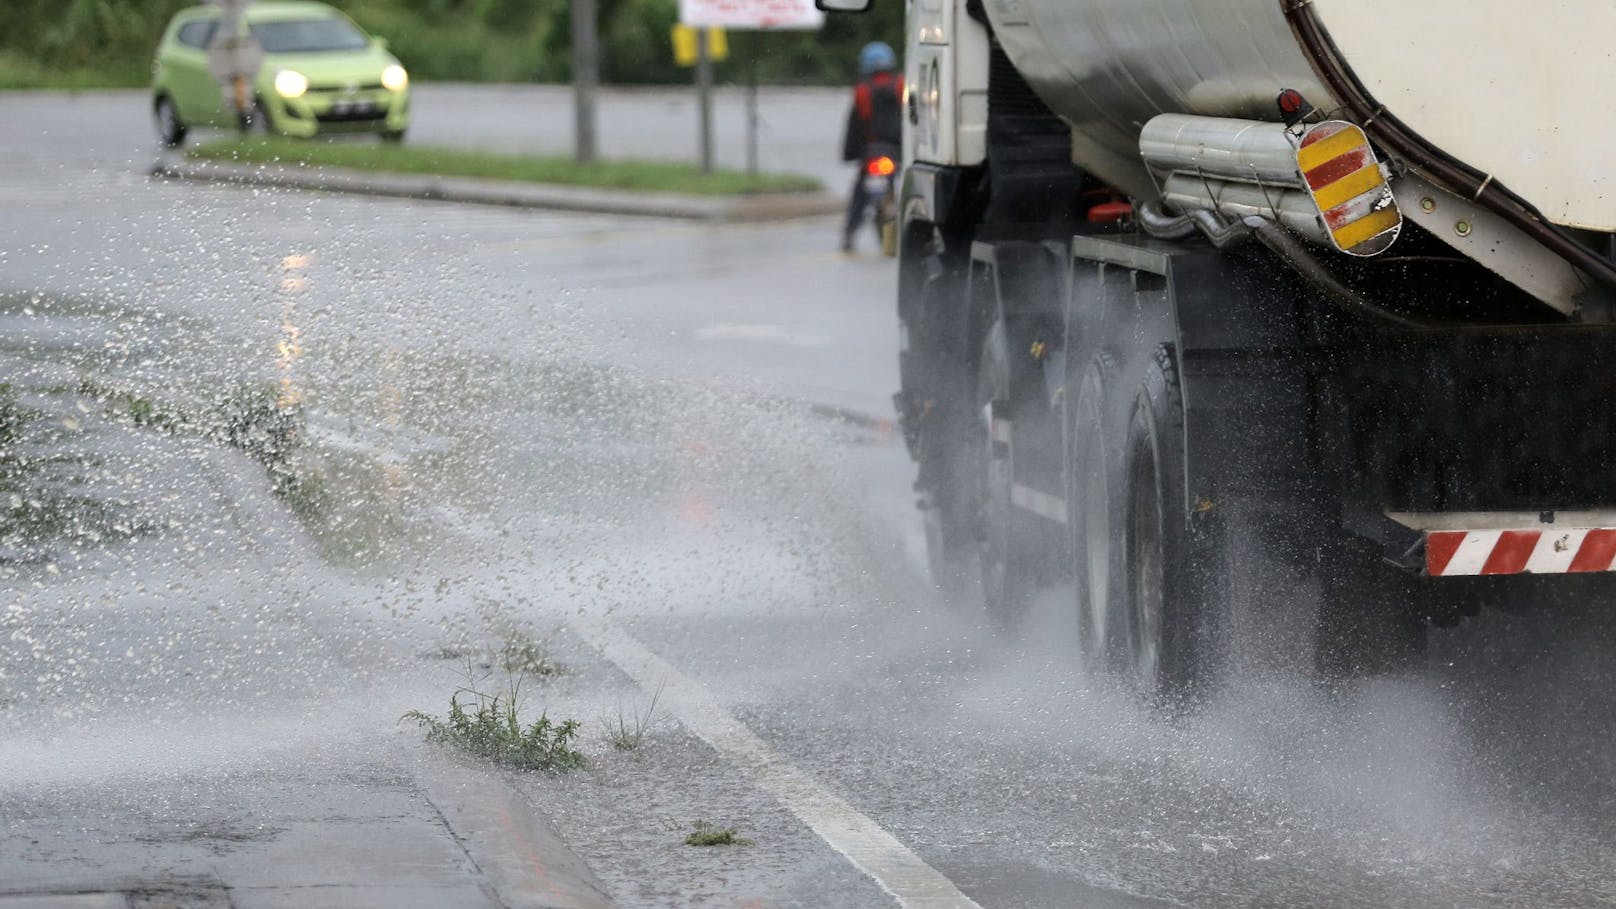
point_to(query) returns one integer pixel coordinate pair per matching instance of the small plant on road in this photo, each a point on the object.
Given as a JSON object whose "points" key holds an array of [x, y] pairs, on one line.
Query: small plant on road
{"points": [[487, 726], [707, 834], [630, 736]]}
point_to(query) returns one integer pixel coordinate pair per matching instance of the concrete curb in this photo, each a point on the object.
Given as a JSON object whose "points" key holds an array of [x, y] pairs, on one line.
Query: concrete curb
{"points": [[527, 864], [760, 207]]}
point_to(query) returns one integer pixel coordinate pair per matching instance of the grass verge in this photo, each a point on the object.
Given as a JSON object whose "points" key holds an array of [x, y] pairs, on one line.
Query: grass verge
{"points": [[19, 72], [645, 176]]}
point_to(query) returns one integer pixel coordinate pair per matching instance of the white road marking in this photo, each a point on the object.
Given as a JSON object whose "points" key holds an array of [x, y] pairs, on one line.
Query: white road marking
{"points": [[870, 848], [768, 334]]}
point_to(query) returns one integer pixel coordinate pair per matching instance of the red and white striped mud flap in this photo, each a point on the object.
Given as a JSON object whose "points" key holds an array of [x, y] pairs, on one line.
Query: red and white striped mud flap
{"points": [[1541, 550]]}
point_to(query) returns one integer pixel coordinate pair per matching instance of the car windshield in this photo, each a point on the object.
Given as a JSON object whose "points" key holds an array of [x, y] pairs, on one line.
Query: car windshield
{"points": [[301, 36]]}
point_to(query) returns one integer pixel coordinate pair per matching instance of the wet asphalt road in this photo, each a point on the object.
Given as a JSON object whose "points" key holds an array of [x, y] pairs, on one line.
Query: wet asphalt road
{"points": [[570, 430]]}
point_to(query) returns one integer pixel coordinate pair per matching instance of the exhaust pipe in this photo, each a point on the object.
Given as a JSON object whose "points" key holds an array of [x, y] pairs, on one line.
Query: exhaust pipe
{"points": [[1322, 182]]}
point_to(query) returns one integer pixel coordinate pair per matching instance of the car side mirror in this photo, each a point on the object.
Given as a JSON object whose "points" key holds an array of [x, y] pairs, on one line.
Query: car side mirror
{"points": [[381, 43], [843, 6]]}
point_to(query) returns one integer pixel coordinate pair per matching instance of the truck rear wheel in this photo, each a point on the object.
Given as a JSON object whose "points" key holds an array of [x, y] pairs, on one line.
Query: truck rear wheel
{"points": [[1093, 477], [952, 552], [1007, 535], [1169, 579]]}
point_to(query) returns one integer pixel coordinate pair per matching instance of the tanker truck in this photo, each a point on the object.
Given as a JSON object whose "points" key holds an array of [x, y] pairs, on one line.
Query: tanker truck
{"points": [[1262, 333]]}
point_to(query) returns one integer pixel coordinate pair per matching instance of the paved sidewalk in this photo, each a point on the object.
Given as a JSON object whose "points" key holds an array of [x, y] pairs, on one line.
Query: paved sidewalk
{"points": [[445, 837]]}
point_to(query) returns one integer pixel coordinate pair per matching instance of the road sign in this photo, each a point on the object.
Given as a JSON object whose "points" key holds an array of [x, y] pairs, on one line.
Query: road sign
{"points": [[751, 14], [685, 49]]}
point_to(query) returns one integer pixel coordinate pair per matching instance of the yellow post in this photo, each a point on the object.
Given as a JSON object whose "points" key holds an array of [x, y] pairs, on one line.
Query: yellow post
{"points": [[685, 49]]}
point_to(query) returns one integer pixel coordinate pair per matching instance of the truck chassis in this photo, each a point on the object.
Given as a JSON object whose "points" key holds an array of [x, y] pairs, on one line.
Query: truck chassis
{"points": [[1203, 443]]}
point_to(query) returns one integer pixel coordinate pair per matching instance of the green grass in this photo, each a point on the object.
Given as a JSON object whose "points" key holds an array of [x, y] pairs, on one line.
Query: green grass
{"points": [[21, 72], [487, 726], [653, 176], [707, 834], [629, 734]]}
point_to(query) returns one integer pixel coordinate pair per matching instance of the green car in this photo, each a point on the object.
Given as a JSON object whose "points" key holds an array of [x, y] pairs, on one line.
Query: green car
{"points": [[321, 75]]}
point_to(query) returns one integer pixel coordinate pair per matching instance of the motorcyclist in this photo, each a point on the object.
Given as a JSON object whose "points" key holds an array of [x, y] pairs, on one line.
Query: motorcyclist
{"points": [[876, 120]]}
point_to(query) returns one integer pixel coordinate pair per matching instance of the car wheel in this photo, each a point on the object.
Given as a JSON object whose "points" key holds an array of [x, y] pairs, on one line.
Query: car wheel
{"points": [[170, 129], [257, 122]]}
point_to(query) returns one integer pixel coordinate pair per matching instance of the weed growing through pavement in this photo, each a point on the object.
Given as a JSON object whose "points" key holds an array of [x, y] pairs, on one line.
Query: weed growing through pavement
{"points": [[487, 726], [707, 834], [629, 736]]}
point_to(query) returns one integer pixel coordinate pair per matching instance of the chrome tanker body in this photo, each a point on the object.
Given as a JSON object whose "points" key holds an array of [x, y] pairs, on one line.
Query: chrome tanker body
{"points": [[1254, 333]]}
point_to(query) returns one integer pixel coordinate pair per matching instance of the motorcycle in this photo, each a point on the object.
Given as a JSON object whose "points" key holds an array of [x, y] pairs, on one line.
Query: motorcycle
{"points": [[881, 194]]}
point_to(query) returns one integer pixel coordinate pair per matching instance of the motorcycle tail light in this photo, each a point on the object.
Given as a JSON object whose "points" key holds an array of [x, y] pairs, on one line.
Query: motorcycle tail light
{"points": [[880, 167]]}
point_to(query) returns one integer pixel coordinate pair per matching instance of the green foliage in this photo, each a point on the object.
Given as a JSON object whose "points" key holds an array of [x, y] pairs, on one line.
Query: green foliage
{"points": [[707, 834], [12, 417], [110, 42], [488, 728], [654, 176], [630, 735], [51, 42]]}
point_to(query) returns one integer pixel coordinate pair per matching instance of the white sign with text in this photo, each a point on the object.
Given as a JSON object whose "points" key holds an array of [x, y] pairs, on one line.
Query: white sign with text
{"points": [[750, 14]]}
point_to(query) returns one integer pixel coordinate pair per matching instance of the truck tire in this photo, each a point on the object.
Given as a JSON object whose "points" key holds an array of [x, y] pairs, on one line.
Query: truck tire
{"points": [[1093, 473], [1170, 575], [952, 551], [935, 406], [1007, 534]]}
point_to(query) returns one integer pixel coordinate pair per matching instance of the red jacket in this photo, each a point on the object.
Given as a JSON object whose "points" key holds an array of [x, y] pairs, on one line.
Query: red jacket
{"points": [[877, 115]]}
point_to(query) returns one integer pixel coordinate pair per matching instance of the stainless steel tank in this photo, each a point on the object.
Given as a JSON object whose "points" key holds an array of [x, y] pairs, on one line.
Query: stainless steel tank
{"points": [[1522, 98], [1109, 66]]}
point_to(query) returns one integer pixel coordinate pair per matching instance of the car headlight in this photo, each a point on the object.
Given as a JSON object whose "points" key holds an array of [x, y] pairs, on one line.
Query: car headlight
{"points": [[289, 83], [395, 78]]}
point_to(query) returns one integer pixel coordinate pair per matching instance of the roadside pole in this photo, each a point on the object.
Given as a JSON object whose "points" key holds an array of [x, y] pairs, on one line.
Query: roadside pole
{"points": [[234, 58], [704, 97], [751, 105], [707, 18], [585, 78]]}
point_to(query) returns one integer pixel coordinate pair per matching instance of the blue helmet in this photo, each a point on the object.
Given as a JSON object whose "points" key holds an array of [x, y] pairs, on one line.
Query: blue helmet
{"points": [[877, 57]]}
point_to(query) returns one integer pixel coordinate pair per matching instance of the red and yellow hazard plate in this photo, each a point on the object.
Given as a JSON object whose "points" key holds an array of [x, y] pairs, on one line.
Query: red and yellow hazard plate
{"points": [[1348, 186]]}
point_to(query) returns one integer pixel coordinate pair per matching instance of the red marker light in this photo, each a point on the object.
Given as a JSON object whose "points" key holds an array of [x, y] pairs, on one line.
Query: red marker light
{"points": [[1293, 108], [880, 167]]}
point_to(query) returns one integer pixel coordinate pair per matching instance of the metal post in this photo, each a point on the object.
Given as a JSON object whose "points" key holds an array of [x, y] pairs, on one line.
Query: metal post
{"points": [[585, 78], [704, 98], [234, 58], [751, 105]]}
